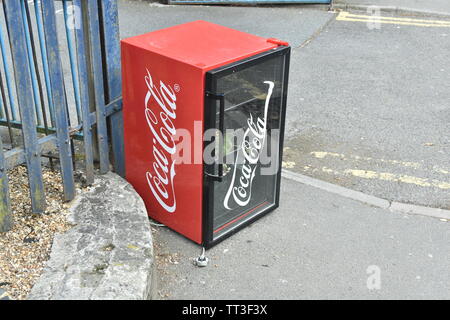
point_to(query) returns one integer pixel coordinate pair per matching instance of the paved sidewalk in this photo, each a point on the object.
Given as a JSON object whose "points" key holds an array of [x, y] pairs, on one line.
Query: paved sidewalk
{"points": [[431, 6], [317, 245]]}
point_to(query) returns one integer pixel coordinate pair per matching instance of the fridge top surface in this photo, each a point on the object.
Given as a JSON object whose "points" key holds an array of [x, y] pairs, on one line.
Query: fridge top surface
{"points": [[202, 44]]}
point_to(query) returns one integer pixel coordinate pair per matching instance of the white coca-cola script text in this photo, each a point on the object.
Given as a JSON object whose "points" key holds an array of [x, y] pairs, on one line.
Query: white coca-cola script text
{"points": [[160, 111]]}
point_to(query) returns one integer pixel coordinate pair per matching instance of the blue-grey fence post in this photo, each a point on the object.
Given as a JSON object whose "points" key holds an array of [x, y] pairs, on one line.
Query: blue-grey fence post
{"points": [[83, 79], [112, 63], [97, 69], [58, 97], [41, 36], [34, 78], [8, 76], [69, 25], [5, 207], [17, 39]]}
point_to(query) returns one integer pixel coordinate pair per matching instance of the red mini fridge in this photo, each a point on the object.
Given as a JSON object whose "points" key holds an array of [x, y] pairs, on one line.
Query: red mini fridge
{"points": [[204, 111]]}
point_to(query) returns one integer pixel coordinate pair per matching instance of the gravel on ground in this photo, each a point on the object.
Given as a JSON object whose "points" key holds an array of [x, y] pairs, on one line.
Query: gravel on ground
{"points": [[25, 249]]}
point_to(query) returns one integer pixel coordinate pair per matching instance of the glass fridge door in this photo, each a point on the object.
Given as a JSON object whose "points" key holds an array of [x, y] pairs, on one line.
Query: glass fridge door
{"points": [[244, 123]]}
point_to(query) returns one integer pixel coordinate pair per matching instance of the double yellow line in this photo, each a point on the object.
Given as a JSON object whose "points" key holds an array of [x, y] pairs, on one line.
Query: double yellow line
{"points": [[346, 16]]}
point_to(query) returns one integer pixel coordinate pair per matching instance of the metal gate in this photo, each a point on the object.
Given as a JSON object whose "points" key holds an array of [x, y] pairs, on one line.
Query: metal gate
{"points": [[60, 80]]}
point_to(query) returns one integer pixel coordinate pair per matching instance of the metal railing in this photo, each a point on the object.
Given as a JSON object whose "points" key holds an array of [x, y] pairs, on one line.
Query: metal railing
{"points": [[60, 79]]}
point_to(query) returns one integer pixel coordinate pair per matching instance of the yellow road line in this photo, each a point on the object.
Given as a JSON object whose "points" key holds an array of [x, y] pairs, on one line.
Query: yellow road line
{"points": [[387, 176], [398, 23], [323, 154], [288, 164], [345, 16], [442, 171], [351, 15], [409, 164]]}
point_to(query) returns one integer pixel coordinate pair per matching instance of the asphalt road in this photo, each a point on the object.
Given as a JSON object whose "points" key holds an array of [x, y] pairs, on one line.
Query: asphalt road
{"points": [[369, 110]]}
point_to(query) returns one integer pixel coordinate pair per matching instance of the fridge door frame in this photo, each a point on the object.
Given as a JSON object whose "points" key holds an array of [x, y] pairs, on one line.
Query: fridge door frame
{"points": [[210, 121]]}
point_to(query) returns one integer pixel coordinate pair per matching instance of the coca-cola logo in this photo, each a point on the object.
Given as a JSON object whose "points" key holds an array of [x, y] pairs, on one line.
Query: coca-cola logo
{"points": [[160, 111], [240, 189]]}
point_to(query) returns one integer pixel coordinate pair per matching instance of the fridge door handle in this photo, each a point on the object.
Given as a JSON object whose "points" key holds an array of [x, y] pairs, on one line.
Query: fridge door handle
{"points": [[221, 98]]}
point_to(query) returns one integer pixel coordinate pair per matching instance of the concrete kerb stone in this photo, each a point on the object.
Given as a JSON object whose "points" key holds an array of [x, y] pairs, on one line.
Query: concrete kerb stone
{"points": [[366, 198], [107, 254], [4, 295], [420, 210], [332, 188]]}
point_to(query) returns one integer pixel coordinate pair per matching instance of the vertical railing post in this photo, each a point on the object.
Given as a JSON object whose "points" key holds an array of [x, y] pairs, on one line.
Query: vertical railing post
{"points": [[83, 79], [69, 25], [8, 76], [34, 76], [18, 44], [58, 97], [95, 51], [41, 36], [112, 65], [5, 207]]}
